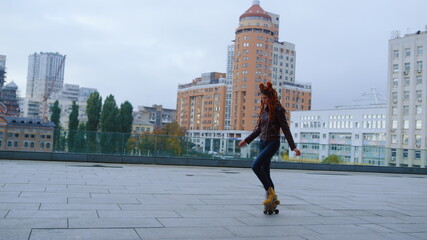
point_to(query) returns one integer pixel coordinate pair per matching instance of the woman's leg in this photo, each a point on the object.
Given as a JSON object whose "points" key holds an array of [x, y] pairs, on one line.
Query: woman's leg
{"points": [[261, 165]]}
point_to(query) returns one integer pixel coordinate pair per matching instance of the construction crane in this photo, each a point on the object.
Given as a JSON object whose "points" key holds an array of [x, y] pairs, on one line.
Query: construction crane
{"points": [[49, 90]]}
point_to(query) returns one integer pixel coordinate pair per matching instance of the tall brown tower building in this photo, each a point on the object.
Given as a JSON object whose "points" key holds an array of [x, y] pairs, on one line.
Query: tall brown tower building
{"points": [[260, 57], [252, 64]]}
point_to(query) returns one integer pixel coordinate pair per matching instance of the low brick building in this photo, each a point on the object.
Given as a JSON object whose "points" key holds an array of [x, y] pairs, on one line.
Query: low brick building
{"points": [[26, 134]]}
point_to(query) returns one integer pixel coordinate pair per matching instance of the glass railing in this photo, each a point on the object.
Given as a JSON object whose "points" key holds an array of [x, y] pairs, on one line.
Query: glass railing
{"points": [[211, 148]]}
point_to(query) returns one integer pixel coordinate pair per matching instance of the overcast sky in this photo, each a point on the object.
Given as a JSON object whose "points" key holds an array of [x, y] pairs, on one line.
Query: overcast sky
{"points": [[140, 50]]}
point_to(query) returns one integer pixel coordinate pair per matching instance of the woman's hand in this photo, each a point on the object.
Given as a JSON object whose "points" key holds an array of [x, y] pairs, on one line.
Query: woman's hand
{"points": [[297, 152], [242, 143]]}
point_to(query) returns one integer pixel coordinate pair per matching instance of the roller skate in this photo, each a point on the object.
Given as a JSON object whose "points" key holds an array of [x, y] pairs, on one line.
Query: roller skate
{"points": [[271, 202]]}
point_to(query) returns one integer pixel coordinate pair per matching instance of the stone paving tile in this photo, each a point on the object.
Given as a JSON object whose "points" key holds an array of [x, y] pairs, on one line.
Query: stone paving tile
{"points": [[380, 219], [279, 220], [212, 214], [32, 223], [13, 187], [419, 235], [261, 238], [19, 206], [102, 200], [183, 233], [360, 236], [81, 207], [28, 214], [114, 223], [3, 213], [408, 228], [336, 229], [137, 214], [84, 234], [200, 222], [267, 231], [143, 207], [15, 234], [33, 200]]}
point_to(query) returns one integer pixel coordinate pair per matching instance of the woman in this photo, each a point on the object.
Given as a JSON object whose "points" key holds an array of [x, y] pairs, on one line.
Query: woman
{"points": [[272, 118]]}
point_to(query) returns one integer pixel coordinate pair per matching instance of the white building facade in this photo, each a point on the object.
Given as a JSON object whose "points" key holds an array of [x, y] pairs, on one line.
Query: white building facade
{"points": [[407, 106], [356, 133]]}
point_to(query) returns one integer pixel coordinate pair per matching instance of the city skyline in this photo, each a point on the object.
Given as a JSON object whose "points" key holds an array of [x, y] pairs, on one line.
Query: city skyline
{"points": [[141, 50]]}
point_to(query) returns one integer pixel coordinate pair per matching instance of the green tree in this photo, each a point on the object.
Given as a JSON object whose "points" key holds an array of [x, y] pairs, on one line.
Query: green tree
{"points": [[80, 139], [55, 118], [73, 123], [125, 122], [93, 112], [109, 125], [126, 117]]}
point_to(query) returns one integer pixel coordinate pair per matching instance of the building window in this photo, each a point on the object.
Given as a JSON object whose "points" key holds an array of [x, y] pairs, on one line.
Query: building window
{"points": [[407, 81], [394, 110], [16, 134], [394, 139], [419, 66], [15, 144], [405, 124], [407, 52], [417, 154], [406, 95], [417, 139], [405, 139], [41, 145], [25, 144], [407, 67], [419, 109], [9, 143], [396, 53], [32, 145], [47, 145], [419, 80], [405, 110], [420, 50], [394, 96], [27, 135], [419, 94], [394, 124], [395, 82], [418, 124], [395, 68]]}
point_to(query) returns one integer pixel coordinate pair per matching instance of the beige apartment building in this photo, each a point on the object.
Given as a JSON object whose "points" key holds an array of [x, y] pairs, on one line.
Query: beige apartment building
{"points": [[201, 103]]}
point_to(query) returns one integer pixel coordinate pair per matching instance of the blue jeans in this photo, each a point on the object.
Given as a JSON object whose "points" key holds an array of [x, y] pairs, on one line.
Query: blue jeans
{"points": [[261, 165]]}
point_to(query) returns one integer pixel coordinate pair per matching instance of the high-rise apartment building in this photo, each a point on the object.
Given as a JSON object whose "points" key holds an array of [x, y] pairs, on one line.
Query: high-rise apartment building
{"points": [[43, 68], [201, 104], [407, 106], [260, 57]]}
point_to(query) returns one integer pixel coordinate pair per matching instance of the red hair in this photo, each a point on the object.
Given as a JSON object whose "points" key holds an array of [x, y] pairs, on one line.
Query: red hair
{"points": [[273, 99]]}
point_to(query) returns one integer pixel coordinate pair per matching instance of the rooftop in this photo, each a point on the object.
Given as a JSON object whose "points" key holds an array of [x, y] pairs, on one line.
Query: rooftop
{"points": [[71, 200]]}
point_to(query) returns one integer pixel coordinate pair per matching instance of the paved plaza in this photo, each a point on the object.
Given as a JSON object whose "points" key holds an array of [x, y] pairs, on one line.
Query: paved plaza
{"points": [[71, 200]]}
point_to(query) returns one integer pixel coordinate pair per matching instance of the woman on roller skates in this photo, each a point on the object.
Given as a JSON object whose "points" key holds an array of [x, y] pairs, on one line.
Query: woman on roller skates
{"points": [[272, 118]]}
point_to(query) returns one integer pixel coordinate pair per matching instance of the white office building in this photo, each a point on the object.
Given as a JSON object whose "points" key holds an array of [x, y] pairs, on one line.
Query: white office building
{"points": [[43, 69], [407, 105], [356, 133]]}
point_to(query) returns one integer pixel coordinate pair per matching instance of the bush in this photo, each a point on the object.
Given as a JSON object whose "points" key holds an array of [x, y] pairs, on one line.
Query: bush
{"points": [[332, 159]]}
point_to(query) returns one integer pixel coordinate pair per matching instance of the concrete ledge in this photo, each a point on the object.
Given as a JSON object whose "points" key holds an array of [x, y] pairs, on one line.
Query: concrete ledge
{"points": [[105, 158]]}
